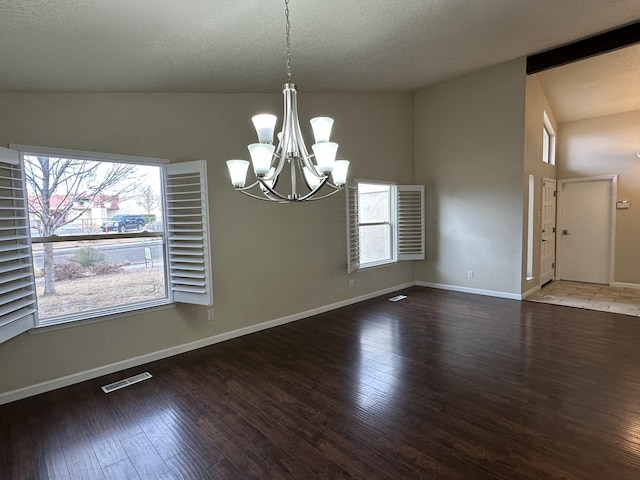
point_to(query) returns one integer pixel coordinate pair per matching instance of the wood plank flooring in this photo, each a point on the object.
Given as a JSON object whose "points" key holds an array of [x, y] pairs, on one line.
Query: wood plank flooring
{"points": [[441, 385]]}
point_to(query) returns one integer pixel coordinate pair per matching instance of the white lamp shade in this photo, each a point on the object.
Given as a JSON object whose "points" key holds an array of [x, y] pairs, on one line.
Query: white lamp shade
{"points": [[312, 180], [321, 128], [325, 153], [261, 155], [265, 124], [238, 172], [339, 173]]}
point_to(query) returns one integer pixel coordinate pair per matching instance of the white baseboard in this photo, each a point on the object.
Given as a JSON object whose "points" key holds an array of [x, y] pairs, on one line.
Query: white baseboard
{"points": [[625, 285], [475, 291], [49, 385]]}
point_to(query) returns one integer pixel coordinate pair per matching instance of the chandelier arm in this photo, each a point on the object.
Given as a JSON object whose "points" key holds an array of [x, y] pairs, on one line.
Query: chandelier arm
{"points": [[280, 158], [300, 165], [247, 187], [280, 166], [264, 198], [294, 190], [314, 190], [320, 198], [282, 199], [297, 133], [272, 191], [275, 181], [335, 187], [246, 190], [293, 122], [304, 179]]}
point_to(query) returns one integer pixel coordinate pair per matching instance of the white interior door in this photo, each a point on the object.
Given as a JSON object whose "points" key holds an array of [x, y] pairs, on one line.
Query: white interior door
{"points": [[548, 231], [586, 230]]}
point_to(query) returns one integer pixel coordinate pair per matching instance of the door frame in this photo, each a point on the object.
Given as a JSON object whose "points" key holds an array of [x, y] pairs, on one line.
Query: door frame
{"points": [[612, 223], [556, 226]]}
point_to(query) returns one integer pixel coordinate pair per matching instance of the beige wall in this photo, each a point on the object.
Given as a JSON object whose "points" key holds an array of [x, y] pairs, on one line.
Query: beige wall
{"points": [[469, 154], [607, 146], [536, 105], [469, 140], [269, 261]]}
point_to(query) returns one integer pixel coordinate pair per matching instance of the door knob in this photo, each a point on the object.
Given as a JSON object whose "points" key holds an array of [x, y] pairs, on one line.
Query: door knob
{"points": [[565, 232]]}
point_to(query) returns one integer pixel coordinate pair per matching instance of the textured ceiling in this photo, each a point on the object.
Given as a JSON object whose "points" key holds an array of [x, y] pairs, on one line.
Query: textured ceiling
{"points": [[239, 45], [595, 87]]}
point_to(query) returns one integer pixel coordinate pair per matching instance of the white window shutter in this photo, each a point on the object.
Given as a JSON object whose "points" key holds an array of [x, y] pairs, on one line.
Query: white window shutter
{"points": [[411, 222], [18, 306], [353, 233], [188, 239]]}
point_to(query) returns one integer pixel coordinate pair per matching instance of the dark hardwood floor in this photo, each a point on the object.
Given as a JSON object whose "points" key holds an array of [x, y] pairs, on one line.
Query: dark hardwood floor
{"points": [[441, 385]]}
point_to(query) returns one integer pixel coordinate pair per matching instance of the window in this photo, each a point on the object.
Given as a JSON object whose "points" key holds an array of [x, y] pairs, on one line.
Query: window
{"points": [[385, 223], [375, 225], [530, 212], [88, 235], [548, 142]]}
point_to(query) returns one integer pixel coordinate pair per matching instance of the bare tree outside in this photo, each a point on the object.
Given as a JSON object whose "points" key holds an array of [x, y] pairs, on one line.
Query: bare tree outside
{"points": [[148, 199], [76, 183]]}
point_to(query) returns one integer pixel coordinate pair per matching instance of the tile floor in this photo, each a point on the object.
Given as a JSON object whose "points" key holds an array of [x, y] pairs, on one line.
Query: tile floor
{"points": [[591, 296]]}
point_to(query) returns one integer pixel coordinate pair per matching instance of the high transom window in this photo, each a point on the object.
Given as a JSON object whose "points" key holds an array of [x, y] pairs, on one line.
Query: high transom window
{"points": [[548, 141]]}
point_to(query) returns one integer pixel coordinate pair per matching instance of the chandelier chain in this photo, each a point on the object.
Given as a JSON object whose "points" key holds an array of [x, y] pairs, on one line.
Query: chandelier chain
{"points": [[288, 28]]}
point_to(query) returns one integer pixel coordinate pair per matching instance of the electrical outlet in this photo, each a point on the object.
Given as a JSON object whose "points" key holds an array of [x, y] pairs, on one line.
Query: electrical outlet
{"points": [[352, 282], [210, 315], [470, 274]]}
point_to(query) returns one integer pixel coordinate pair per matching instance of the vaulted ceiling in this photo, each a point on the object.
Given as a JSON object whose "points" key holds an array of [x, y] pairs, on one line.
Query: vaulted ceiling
{"points": [[595, 87], [227, 46]]}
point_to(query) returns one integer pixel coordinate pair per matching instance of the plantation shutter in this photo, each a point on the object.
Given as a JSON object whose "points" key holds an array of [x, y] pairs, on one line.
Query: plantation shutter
{"points": [[410, 217], [353, 233], [188, 239], [17, 285]]}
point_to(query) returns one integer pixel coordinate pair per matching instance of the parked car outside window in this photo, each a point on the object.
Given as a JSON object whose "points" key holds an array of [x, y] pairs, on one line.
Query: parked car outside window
{"points": [[123, 223]]}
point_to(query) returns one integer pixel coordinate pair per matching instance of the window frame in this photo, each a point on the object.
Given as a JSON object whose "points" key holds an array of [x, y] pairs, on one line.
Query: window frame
{"points": [[182, 284], [548, 141], [392, 223], [408, 217]]}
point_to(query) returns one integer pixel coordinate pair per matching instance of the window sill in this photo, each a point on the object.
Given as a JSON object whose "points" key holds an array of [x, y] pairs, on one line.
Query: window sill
{"points": [[61, 324], [381, 263]]}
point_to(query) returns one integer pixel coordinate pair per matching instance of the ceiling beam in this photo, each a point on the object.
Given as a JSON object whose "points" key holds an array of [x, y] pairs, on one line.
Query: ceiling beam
{"points": [[589, 47]]}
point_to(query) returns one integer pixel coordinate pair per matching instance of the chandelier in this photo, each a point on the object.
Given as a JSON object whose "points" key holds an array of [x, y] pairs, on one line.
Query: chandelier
{"points": [[307, 178]]}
